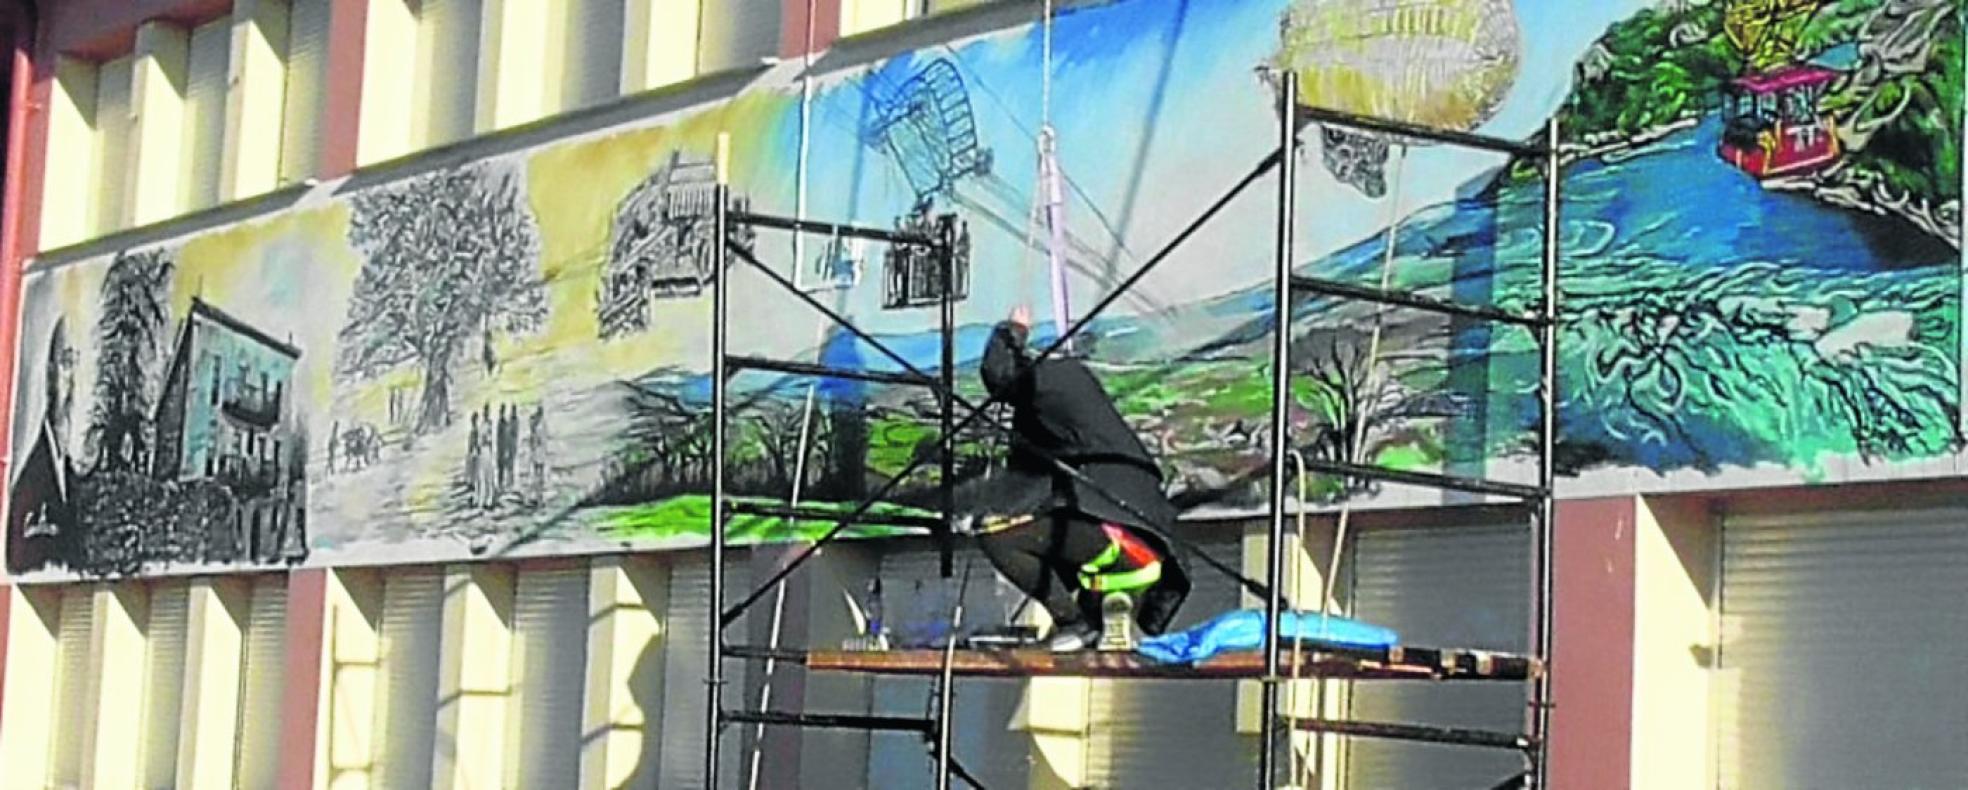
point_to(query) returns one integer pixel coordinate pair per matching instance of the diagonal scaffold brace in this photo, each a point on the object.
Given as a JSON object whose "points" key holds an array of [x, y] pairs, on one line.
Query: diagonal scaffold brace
{"points": [[1538, 497], [979, 411]]}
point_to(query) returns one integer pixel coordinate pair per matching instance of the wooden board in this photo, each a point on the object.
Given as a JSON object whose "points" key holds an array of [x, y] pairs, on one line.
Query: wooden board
{"points": [[1401, 663]]}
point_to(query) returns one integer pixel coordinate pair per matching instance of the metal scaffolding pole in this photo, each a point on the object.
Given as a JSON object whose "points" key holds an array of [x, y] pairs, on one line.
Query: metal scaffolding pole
{"points": [[946, 401], [942, 243], [721, 320], [1547, 516], [1281, 293]]}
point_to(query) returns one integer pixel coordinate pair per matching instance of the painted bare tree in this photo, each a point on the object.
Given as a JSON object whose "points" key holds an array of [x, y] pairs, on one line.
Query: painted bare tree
{"points": [[1358, 412], [128, 333], [450, 256]]}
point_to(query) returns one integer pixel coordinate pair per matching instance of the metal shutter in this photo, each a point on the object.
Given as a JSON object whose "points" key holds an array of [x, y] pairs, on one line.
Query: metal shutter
{"points": [[307, 79], [1447, 587], [73, 681], [256, 761], [550, 638], [205, 111], [164, 681], [113, 86], [447, 76], [684, 670], [594, 51], [1180, 735], [413, 619], [1842, 639], [914, 592]]}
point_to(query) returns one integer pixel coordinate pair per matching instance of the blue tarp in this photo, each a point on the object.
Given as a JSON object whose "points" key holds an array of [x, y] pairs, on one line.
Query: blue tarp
{"points": [[1244, 630]]}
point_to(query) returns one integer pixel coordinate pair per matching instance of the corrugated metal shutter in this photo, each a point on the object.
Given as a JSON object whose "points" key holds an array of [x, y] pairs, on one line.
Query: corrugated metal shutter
{"points": [[164, 681], [413, 620], [1842, 642], [73, 682], [205, 111], [1175, 734], [1449, 587], [307, 79], [550, 624], [914, 595], [594, 51], [448, 31], [684, 671], [262, 683], [113, 86]]}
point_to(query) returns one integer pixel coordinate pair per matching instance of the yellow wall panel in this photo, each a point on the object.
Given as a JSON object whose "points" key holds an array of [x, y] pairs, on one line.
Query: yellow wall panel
{"points": [[474, 676], [861, 16], [519, 37], [661, 43], [256, 104], [33, 662], [117, 647], [346, 741], [627, 597], [389, 67], [1675, 547], [215, 640], [158, 134], [67, 193]]}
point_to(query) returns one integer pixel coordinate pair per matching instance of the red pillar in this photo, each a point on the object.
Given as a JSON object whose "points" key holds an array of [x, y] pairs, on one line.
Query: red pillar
{"points": [[6, 609], [20, 205], [341, 111], [307, 606], [1592, 664], [810, 26]]}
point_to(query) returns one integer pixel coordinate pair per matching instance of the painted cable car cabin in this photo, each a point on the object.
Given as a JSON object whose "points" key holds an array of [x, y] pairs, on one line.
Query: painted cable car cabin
{"points": [[1774, 127]]}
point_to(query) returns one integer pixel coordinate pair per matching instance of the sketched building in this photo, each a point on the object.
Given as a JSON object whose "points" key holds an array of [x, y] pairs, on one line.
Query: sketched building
{"points": [[226, 416], [660, 244]]}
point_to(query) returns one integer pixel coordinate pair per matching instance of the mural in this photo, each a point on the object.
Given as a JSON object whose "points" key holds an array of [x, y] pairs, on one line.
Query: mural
{"points": [[1762, 271]]}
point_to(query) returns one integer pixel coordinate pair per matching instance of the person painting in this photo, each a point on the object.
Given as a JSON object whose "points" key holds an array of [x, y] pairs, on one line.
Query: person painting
{"points": [[1076, 543]]}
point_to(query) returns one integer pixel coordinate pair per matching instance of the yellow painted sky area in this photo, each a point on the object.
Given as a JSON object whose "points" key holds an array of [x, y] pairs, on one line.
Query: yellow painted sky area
{"points": [[574, 191], [289, 275]]}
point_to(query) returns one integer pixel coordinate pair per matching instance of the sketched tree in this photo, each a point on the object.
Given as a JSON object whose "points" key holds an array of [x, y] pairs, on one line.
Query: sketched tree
{"points": [[1358, 412], [449, 256], [127, 336]]}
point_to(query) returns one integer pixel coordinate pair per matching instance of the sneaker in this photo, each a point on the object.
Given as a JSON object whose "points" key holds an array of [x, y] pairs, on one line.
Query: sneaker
{"points": [[1072, 638], [1117, 622]]}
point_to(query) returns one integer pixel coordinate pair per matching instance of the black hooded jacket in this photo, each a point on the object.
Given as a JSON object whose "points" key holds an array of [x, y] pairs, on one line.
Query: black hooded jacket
{"points": [[1059, 409]]}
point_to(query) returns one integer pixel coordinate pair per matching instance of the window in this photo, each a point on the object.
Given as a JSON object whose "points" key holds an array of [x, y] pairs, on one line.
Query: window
{"points": [[306, 88], [166, 651], [446, 76], [113, 122], [591, 52], [262, 678], [205, 113]]}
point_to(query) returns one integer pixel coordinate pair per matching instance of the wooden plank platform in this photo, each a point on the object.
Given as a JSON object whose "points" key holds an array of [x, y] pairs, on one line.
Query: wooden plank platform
{"points": [[1397, 663]]}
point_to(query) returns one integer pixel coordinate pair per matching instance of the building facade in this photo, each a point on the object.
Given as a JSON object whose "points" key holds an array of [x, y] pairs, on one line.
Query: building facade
{"points": [[360, 354]]}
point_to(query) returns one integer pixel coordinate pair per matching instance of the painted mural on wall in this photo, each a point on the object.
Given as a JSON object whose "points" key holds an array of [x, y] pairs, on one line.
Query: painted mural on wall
{"points": [[1761, 249]]}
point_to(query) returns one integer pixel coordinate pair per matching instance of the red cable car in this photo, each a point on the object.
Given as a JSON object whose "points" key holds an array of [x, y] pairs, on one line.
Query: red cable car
{"points": [[1774, 127]]}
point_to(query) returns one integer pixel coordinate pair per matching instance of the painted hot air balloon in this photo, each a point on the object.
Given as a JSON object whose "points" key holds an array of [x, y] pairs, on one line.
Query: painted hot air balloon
{"points": [[1441, 63]]}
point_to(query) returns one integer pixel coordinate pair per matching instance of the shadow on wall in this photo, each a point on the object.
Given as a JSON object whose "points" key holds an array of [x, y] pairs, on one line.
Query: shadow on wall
{"points": [[646, 689]]}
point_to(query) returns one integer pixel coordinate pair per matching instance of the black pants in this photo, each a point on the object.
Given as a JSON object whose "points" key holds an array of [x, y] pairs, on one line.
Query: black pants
{"points": [[1043, 558]]}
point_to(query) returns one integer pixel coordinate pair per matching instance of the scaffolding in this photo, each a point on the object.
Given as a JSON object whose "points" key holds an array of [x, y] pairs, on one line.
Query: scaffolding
{"points": [[938, 243]]}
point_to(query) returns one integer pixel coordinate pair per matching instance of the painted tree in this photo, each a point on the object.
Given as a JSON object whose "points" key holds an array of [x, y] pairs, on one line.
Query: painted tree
{"points": [[449, 255], [128, 333]]}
